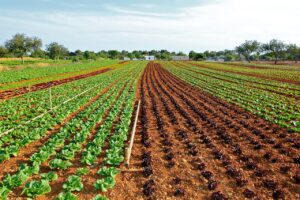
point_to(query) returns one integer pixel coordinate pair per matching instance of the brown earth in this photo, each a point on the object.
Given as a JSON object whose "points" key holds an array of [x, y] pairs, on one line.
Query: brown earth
{"points": [[192, 145], [23, 90], [253, 66], [180, 65], [251, 74], [10, 166]]}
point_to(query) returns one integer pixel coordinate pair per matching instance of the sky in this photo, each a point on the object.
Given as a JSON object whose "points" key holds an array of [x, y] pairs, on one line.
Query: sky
{"points": [[175, 25]]}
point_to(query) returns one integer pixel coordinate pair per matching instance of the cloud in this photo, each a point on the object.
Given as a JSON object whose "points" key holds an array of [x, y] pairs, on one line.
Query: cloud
{"points": [[121, 10], [143, 5], [201, 27]]}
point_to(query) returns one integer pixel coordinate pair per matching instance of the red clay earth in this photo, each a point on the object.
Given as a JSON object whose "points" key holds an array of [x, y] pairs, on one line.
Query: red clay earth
{"points": [[23, 90], [186, 67], [253, 66], [251, 74], [192, 145], [11, 165]]}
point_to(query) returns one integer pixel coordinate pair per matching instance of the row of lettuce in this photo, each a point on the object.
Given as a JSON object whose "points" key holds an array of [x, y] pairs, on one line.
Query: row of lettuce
{"points": [[287, 72], [96, 135], [20, 109], [276, 102], [17, 111], [33, 75]]}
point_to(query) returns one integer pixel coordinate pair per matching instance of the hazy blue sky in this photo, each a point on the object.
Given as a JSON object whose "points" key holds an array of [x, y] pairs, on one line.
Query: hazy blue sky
{"points": [[156, 24]]}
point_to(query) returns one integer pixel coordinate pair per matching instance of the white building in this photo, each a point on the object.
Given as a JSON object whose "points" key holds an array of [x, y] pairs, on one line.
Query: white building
{"points": [[149, 57], [180, 58], [125, 58]]}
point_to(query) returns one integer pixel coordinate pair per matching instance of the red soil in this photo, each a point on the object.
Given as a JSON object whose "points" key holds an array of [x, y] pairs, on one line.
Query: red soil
{"points": [[253, 66], [251, 85], [192, 145], [251, 74], [23, 90]]}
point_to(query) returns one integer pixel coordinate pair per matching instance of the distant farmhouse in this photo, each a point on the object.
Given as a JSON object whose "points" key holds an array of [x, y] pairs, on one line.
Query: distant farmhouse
{"points": [[180, 58], [125, 58], [149, 57], [215, 59]]}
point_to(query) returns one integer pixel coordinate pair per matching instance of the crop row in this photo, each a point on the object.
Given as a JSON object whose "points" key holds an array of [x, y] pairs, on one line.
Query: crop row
{"points": [[59, 151], [19, 109], [221, 140], [19, 138], [24, 77], [271, 106], [287, 74], [254, 82]]}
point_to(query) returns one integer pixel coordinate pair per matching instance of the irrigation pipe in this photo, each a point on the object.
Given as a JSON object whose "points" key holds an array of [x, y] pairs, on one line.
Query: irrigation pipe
{"points": [[129, 149], [41, 115]]}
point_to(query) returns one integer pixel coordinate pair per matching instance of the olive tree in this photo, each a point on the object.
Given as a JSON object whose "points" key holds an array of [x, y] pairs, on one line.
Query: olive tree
{"points": [[248, 48], [21, 45], [276, 48], [293, 52], [3, 51], [56, 51]]}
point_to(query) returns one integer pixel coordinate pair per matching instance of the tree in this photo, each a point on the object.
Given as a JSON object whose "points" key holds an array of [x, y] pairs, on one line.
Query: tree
{"points": [[276, 48], [247, 49], [102, 54], [199, 56], [20, 45], [89, 55], [39, 53], [56, 51], [113, 54], [36, 44], [293, 52], [180, 54], [192, 55], [3, 51]]}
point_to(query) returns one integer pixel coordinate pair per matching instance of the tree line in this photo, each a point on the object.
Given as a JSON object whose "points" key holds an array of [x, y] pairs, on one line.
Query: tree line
{"points": [[21, 45], [252, 50]]}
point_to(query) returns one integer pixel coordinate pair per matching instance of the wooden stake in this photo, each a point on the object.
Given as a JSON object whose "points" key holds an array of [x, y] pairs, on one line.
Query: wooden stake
{"points": [[129, 149], [50, 92], [41, 115]]}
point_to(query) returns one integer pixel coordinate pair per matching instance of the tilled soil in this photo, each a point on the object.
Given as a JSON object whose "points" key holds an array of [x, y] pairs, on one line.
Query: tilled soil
{"points": [[192, 145], [180, 65], [23, 90], [250, 74]]}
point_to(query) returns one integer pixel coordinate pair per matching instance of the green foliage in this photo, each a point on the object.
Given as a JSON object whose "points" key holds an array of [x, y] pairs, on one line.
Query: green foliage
{"points": [[76, 132], [88, 158], [248, 48], [56, 51], [73, 184], [50, 176], [100, 197], [114, 158], [276, 48], [36, 188], [59, 164], [66, 196], [20, 45], [105, 184], [108, 171], [82, 171], [16, 180], [4, 191], [262, 97], [3, 52]]}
